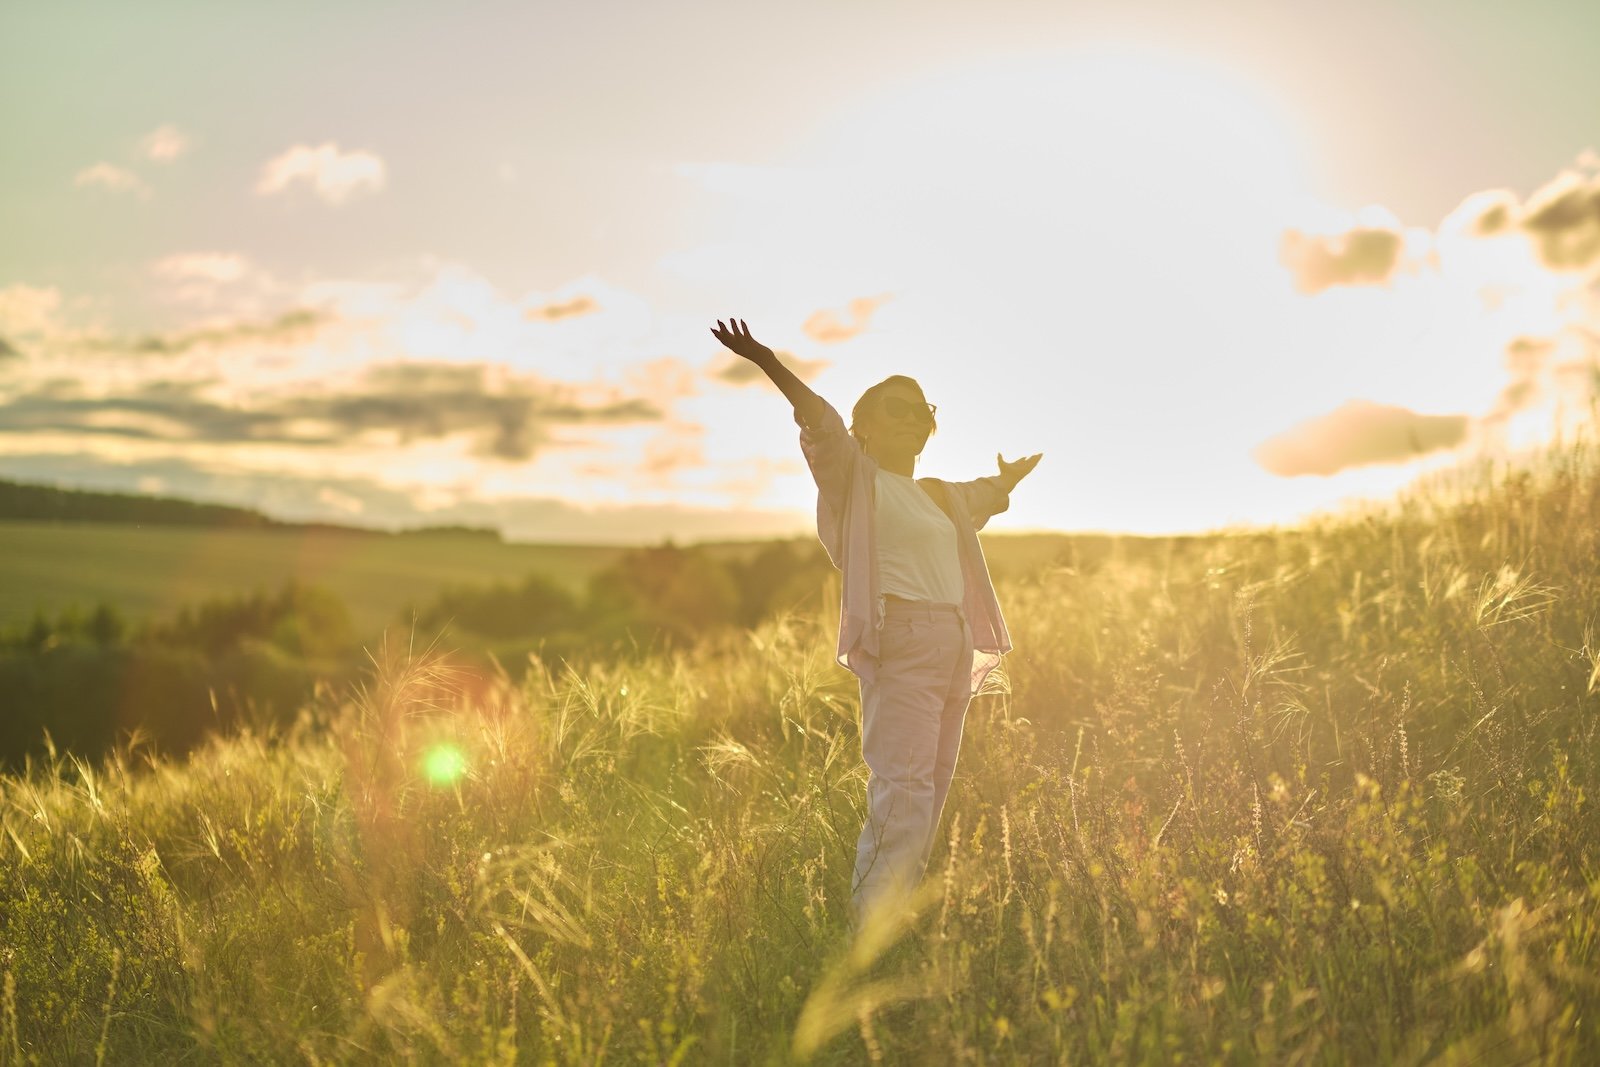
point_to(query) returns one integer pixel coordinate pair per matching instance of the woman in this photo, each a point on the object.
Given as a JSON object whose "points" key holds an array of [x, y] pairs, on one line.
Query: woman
{"points": [[918, 620]]}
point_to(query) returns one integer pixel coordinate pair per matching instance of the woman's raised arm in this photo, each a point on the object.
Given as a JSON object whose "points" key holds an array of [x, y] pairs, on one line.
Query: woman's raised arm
{"points": [[736, 337]]}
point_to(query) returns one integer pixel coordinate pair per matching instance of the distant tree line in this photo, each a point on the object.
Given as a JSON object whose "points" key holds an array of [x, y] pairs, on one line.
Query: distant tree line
{"points": [[657, 596], [48, 503], [92, 677]]}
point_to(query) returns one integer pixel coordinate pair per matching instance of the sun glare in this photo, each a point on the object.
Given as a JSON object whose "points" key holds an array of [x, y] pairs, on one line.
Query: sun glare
{"points": [[444, 764], [1100, 226]]}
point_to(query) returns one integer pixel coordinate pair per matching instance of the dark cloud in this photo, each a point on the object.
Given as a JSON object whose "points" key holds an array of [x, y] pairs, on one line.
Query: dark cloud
{"points": [[1358, 434], [434, 400], [582, 305], [736, 370], [1563, 219], [292, 327], [7, 350], [824, 326], [412, 401], [1496, 216], [148, 417], [1356, 257]]}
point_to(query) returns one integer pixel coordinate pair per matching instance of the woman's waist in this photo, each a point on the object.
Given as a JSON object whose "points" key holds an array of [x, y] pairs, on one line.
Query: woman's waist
{"points": [[895, 604]]}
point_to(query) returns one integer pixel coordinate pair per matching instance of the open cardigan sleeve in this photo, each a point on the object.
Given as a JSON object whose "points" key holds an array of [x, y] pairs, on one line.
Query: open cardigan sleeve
{"points": [[831, 453], [983, 498]]}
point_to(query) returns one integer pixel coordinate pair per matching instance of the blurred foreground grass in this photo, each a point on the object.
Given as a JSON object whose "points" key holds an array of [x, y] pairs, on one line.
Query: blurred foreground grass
{"points": [[1316, 795]]}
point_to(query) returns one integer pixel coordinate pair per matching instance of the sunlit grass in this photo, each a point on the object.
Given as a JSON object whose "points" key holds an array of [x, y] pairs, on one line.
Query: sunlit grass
{"points": [[1319, 795]]}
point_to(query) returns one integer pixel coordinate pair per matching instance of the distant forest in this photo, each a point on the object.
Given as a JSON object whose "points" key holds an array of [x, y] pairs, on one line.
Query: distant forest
{"points": [[48, 503]]}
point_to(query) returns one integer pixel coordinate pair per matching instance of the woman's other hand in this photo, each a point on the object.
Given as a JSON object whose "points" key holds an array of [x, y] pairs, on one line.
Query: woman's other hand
{"points": [[1012, 473]]}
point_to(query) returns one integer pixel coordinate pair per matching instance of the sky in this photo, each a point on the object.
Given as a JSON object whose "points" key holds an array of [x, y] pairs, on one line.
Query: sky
{"points": [[410, 264]]}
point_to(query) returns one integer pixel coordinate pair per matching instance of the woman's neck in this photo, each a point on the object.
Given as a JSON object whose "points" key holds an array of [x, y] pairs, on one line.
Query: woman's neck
{"points": [[902, 464]]}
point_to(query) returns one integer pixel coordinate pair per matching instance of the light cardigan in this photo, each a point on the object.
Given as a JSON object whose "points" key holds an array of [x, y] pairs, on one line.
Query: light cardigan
{"points": [[846, 480]]}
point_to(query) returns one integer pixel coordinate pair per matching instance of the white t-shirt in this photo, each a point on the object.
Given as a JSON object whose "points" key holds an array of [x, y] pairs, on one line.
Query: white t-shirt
{"points": [[917, 554]]}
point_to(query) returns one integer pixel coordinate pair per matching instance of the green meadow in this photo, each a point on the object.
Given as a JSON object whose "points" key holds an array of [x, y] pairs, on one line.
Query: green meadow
{"points": [[152, 571], [1313, 795]]}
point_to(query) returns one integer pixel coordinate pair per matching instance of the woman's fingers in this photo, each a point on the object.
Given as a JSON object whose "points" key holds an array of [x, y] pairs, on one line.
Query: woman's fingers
{"points": [[1027, 463], [735, 334]]}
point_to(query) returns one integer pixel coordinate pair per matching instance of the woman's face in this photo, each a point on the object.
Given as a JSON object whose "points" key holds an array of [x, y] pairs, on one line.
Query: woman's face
{"points": [[897, 420]]}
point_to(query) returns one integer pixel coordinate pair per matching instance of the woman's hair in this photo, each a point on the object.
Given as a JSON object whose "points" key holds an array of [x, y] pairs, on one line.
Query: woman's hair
{"points": [[870, 397]]}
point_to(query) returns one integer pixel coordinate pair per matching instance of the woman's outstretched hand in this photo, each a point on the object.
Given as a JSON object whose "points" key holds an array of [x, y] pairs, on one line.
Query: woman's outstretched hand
{"points": [[1012, 473], [736, 336]]}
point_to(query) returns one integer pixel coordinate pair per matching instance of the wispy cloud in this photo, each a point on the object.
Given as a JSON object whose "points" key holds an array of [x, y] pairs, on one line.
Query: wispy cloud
{"points": [[579, 305], [112, 179], [335, 176], [736, 370], [164, 144], [825, 326], [202, 277], [28, 310], [296, 326], [219, 267], [1526, 359], [1359, 433], [400, 404]]}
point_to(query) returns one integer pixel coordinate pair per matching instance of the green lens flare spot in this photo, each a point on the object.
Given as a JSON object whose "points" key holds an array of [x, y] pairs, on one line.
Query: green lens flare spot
{"points": [[444, 764]]}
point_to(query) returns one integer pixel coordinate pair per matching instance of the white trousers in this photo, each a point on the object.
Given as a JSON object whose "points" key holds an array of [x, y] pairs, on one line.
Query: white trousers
{"points": [[911, 720]]}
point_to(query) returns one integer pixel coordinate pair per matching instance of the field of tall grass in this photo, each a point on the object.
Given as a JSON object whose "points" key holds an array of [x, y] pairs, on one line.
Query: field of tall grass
{"points": [[1312, 795]]}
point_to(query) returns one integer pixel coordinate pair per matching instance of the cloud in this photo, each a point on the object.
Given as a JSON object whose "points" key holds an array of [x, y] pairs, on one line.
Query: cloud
{"points": [[436, 400], [1357, 434], [736, 370], [579, 305], [28, 310], [400, 403], [1561, 219], [825, 327], [1355, 257], [201, 277], [334, 175], [220, 267], [1484, 214], [8, 351], [439, 382], [291, 327], [164, 144], [1526, 358], [112, 178]]}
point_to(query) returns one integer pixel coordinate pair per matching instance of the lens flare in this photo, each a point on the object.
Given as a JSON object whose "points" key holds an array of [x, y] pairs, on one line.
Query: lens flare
{"points": [[443, 764]]}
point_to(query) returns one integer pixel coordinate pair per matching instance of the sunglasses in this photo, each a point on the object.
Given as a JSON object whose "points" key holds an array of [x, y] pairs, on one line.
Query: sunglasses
{"points": [[896, 408]]}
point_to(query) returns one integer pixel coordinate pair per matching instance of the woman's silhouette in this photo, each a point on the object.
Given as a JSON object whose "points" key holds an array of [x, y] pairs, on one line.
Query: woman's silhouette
{"points": [[918, 620]]}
